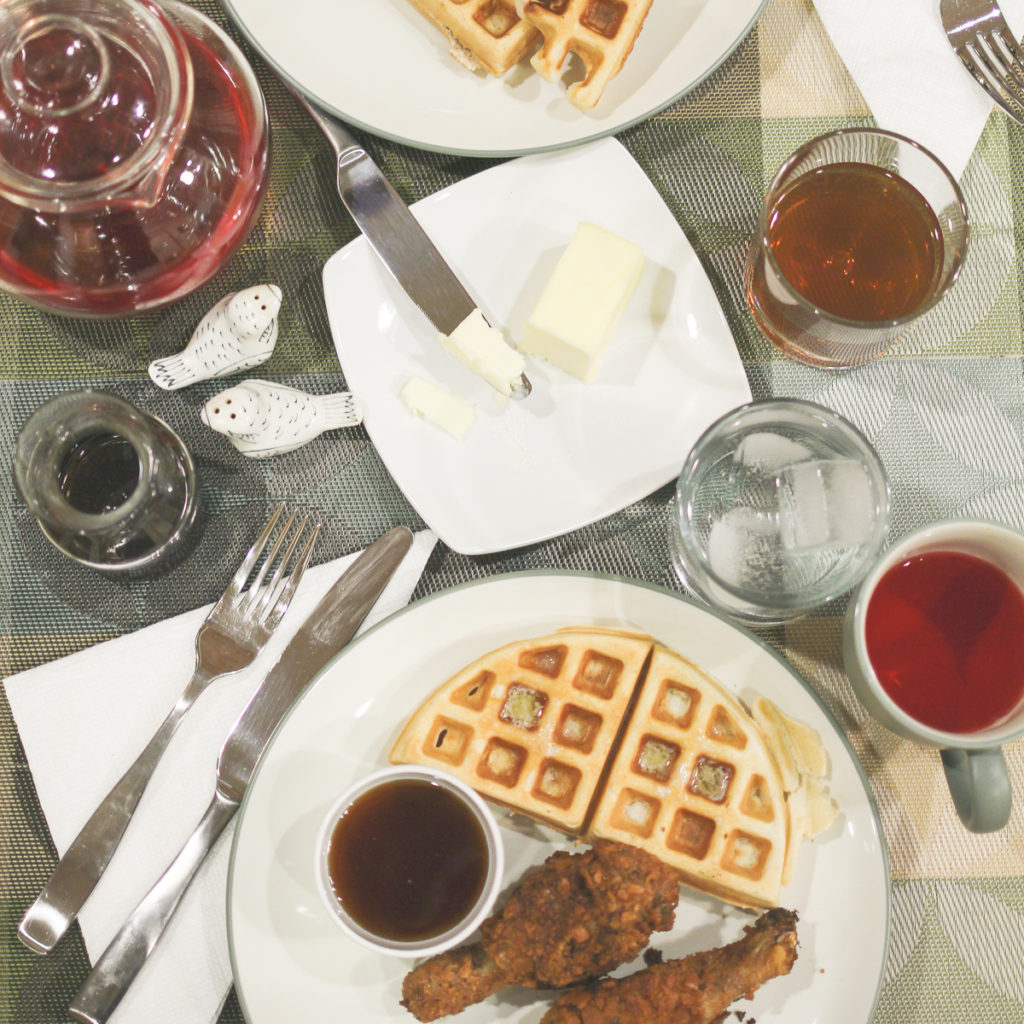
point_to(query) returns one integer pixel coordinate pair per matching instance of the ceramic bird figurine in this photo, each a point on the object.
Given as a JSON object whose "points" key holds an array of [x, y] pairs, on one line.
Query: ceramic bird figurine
{"points": [[237, 334], [262, 419]]}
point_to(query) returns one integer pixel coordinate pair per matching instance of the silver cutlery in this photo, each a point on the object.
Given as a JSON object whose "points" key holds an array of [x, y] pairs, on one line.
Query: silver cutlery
{"points": [[980, 37], [395, 234], [234, 632], [330, 626]]}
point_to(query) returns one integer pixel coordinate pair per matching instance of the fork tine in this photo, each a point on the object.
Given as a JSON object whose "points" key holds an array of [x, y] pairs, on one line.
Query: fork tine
{"points": [[989, 81], [283, 600], [252, 555], [1004, 49], [266, 595], [253, 594]]}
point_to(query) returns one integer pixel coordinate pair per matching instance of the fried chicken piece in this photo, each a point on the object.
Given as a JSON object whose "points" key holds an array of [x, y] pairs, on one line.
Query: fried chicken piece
{"points": [[696, 989], [574, 918]]}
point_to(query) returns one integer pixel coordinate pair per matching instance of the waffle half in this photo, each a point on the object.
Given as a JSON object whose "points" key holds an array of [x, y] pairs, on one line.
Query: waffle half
{"points": [[694, 783], [601, 33], [532, 724], [485, 34]]}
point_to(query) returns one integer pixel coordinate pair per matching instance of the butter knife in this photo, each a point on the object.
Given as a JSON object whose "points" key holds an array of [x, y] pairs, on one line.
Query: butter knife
{"points": [[329, 627], [395, 234]]}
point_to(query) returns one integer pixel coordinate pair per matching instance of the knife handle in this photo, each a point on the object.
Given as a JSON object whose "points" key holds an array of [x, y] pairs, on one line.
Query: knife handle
{"points": [[122, 960]]}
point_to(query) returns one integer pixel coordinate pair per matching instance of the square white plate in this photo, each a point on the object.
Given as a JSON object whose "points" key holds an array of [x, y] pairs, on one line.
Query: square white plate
{"points": [[571, 453]]}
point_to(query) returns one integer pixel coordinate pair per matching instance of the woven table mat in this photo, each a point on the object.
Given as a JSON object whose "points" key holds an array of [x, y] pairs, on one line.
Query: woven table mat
{"points": [[944, 410]]}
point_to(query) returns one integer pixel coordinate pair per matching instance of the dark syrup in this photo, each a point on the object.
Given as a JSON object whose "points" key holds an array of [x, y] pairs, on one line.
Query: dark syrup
{"points": [[945, 636], [99, 473], [408, 860], [857, 241]]}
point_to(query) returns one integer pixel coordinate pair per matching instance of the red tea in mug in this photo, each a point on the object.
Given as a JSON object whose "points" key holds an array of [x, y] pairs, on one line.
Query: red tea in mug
{"points": [[945, 635]]}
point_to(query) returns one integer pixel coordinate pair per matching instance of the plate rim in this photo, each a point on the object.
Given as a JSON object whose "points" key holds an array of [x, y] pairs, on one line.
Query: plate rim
{"points": [[238, 21], [601, 578]]}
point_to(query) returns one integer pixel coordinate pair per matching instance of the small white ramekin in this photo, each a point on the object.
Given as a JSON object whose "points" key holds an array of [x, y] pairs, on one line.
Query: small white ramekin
{"points": [[485, 901]]}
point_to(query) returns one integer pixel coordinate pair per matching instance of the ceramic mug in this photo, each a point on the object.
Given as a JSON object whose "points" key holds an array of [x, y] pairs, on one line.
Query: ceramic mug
{"points": [[973, 761]]}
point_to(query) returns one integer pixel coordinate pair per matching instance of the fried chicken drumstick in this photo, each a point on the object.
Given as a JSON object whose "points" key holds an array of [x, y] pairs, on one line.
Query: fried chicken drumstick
{"points": [[576, 917], [696, 989]]}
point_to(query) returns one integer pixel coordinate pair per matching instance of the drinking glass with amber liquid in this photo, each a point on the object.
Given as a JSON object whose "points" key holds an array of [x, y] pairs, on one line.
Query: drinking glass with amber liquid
{"points": [[861, 232]]}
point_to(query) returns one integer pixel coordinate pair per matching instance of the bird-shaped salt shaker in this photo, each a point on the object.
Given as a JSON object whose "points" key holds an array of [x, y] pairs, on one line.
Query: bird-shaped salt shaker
{"points": [[237, 334], [262, 419]]}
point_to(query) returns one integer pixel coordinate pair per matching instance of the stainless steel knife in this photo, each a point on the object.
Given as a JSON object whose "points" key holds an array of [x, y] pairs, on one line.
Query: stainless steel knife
{"points": [[330, 626], [395, 235]]}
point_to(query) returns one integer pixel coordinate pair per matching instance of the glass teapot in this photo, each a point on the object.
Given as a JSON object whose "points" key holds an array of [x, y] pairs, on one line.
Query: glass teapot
{"points": [[133, 153]]}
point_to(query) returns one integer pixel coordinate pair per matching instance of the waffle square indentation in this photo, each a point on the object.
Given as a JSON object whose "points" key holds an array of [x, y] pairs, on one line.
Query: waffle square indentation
{"points": [[474, 694], [546, 661], [523, 707], [598, 674], [557, 783], [448, 740], [676, 703], [604, 17], [577, 728], [502, 762], [497, 17], [690, 833]]}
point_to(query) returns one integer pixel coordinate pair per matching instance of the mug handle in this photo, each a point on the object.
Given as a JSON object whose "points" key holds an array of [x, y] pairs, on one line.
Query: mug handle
{"points": [[980, 786]]}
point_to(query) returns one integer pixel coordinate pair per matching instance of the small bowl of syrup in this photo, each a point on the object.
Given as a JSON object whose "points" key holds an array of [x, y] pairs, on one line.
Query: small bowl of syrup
{"points": [[409, 861]]}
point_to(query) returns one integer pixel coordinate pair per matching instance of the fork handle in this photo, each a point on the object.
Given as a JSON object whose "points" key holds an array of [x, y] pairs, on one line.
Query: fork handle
{"points": [[84, 861], [122, 960]]}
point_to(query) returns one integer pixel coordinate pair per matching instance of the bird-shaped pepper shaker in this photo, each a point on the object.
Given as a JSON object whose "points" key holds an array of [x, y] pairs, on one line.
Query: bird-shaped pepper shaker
{"points": [[237, 334], [262, 419]]}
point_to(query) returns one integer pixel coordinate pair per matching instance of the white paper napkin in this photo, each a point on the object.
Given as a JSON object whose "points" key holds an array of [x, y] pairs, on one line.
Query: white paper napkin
{"points": [[913, 82], [84, 718]]}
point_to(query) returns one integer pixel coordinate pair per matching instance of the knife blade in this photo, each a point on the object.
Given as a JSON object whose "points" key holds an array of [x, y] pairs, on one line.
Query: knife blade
{"points": [[395, 234], [324, 633]]}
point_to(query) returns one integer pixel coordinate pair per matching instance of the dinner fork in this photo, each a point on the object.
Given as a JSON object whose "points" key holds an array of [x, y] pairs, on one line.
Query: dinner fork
{"points": [[981, 38], [234, 632]]}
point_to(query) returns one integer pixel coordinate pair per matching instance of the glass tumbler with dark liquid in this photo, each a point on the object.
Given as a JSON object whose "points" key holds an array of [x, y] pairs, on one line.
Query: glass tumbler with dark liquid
{"points": [[111, 486], [861, 232], [133, 153]]}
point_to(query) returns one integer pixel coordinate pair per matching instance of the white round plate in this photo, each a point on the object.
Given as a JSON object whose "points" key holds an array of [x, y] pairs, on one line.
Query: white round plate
{"points": [[671, 368], [383, 66], [292, 963]]}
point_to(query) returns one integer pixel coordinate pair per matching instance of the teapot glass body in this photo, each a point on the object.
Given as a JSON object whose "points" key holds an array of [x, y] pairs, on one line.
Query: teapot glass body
{"points": [[134, 143]]}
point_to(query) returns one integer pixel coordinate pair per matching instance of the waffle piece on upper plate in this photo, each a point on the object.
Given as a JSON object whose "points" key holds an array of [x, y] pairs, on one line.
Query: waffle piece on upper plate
{"points": [[486, 34], [532, 724], [600, 32], [695, 784]]}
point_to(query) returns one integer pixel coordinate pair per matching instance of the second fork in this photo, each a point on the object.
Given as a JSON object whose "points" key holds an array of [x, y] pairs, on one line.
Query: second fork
{"points": [[235, 631]]}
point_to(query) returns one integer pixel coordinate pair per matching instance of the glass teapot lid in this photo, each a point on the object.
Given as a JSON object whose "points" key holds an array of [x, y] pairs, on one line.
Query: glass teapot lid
{"points": [[95, 97]]}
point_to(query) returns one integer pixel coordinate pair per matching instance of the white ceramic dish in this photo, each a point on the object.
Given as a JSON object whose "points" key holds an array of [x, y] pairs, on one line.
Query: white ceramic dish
{"points": [[571, 453], [384, 67], [291, 962]]}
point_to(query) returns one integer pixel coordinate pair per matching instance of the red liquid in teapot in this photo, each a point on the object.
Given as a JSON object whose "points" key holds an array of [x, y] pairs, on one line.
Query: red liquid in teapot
{"points": [[120, 261], [945, 636]]}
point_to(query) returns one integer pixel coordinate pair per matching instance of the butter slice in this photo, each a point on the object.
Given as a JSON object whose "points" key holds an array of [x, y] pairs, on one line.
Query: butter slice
{"points": [[484, 350], [583, 301], [433, 403]]}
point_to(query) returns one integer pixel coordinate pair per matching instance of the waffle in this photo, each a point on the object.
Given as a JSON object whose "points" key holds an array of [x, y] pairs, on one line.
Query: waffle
{"points": [[600, 32], [695, 784], [605, 733], [532, 724], [485, 34]]}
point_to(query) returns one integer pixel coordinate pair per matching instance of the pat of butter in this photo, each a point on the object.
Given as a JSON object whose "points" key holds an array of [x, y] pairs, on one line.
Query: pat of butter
{"points": [[484, 350], [583, 301], [433, 403]]}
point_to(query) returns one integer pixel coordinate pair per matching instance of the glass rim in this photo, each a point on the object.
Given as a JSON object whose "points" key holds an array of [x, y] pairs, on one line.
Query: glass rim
{"points": [[761, 239], [784, 606]]}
